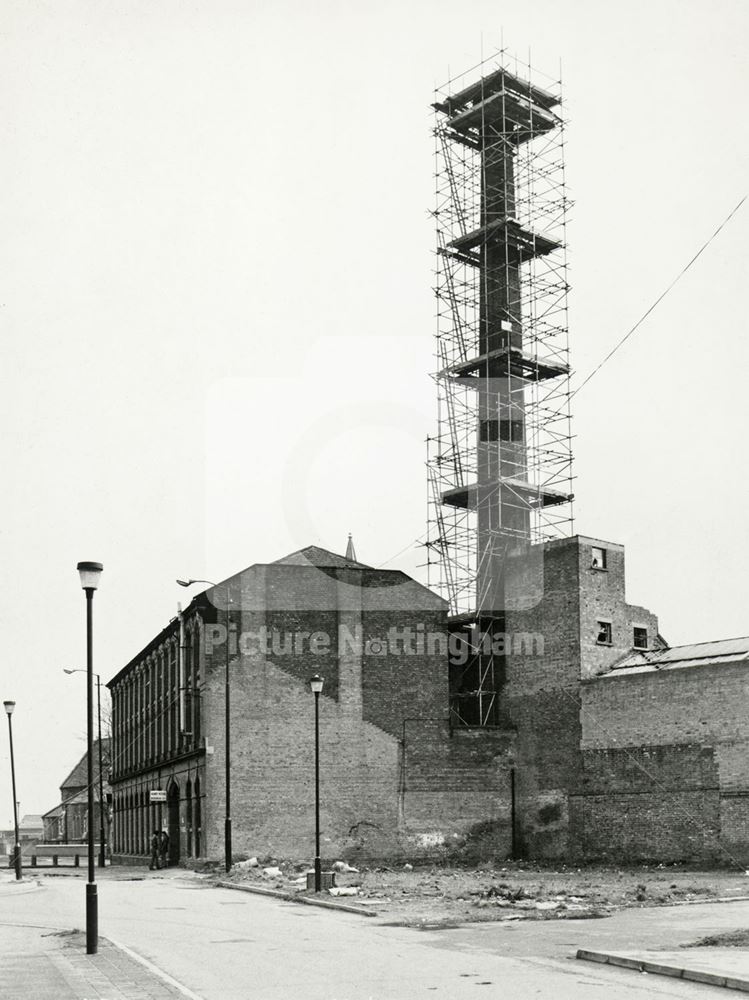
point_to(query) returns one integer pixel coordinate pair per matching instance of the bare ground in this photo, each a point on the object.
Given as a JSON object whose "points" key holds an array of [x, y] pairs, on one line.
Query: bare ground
{"points": [[436, 895]]}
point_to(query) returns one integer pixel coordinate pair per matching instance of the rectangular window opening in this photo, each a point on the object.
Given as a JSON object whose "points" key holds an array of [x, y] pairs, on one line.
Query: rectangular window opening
{"points": [[604, 633], [489, 430], [511, 430], [640, 637], [598, 558]]}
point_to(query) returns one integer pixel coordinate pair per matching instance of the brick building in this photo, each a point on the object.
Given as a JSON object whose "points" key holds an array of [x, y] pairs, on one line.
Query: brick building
{"points": [[67, 823], [604, 743], [395, 775], [665, 755], [625, 749]]}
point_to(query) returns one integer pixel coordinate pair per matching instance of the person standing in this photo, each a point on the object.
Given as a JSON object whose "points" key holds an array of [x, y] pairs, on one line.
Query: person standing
{"points": [[164, 849], [155, 851]]}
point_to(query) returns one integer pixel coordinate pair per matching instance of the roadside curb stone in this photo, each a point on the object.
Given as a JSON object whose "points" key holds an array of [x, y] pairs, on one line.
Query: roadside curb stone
{"points": [[291, 897], [731, 982]]}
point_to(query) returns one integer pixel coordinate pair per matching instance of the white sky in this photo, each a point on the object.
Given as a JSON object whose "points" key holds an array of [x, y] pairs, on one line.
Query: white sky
{"points": [[217, 310]]}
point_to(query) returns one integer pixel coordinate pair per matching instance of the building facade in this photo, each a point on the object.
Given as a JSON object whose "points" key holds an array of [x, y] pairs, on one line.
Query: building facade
{"points": [[67, 823], [601, 733], [394, 775]]}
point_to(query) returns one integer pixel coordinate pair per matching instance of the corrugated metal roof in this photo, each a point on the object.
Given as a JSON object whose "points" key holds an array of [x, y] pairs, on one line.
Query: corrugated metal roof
{"points": [[694, 654]]}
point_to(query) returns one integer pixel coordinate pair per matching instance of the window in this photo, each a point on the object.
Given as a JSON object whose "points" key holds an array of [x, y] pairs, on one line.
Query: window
{"points": [[501, 430], [604, 634], [489, 430], [598, 558], [510, 430], [640, 637]]}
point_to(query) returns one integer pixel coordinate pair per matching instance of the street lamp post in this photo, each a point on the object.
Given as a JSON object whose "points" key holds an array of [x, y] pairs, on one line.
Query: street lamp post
{"points": [[227, 727], [9, 706], [316, 684], [90, 573], [102, 835]]}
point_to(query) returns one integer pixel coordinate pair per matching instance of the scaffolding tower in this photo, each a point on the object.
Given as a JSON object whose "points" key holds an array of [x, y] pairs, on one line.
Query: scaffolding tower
{"points": [[500, 465]]}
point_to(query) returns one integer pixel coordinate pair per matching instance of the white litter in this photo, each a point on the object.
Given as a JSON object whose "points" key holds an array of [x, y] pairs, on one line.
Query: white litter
{"points": [[344, 890], [342, 866], [272, 872], [243, 866]]}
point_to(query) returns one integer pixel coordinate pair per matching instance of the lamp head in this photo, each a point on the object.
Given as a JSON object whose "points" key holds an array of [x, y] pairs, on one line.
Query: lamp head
{"points": [[184, 583], [316, 684], [90, 573], [67, 670], [9, 706]]}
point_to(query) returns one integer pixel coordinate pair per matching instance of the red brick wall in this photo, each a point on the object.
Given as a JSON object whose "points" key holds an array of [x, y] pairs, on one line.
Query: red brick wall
{"points": [[667, 756], [542, 694], [379, 794]]}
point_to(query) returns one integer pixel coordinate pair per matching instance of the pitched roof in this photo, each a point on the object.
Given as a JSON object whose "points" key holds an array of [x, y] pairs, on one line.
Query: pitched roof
{"points": [[692, 655], [78, 777], [313, 555], [31, 822]]}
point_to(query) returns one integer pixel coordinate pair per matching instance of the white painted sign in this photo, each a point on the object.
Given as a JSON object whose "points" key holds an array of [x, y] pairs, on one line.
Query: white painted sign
{"points": [[157, 795]]}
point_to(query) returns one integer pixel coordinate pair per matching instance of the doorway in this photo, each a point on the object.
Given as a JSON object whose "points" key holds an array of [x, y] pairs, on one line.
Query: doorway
{"points": [[172, 808]]}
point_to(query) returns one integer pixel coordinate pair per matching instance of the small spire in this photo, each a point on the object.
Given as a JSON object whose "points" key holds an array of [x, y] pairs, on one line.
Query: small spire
{"points": [[350, 550]]}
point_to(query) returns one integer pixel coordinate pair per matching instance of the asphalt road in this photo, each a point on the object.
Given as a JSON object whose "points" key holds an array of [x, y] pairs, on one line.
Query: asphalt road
{"points": [[226, 945]]}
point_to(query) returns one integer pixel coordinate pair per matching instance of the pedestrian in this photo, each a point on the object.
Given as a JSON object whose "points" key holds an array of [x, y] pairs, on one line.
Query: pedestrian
{"points": [[164, 849], [155, 848]]}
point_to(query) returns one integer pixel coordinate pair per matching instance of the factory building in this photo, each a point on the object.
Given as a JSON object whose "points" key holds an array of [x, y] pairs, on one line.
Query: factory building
{"points": [[519, 699]]}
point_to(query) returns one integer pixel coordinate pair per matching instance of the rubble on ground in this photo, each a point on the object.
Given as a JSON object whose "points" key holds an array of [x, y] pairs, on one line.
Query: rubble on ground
{"points": [[425, 894]]}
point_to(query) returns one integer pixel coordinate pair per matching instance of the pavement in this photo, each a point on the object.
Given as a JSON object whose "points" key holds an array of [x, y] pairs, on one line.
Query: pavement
{"points": [[175, 933], [726, 967], [53, 965]]}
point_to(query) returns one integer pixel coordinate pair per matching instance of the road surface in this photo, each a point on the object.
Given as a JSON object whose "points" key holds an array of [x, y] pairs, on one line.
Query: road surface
{"points": [[227, 945]]}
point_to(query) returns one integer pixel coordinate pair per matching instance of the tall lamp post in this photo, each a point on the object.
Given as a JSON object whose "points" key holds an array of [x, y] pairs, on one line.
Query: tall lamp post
{"points": [[9, 706], [316, 685], [90, 573], [102, 836], [227, 727]]}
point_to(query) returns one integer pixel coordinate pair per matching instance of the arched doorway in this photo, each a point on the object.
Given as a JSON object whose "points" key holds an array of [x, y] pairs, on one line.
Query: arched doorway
{"points": [[172, 808], [197, 817], [188, 817]]}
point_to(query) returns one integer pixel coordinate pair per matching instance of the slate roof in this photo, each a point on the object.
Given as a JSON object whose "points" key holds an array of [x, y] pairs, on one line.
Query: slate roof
{"points": [[31, 822], [313, 555], [692, 655], [78, 777]]}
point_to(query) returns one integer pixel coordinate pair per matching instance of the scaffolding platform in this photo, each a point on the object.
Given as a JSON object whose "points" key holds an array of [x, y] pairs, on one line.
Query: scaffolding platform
{"points": [[504, 362], [516, 111], [522, 244], [526, 493], [490, 83]]}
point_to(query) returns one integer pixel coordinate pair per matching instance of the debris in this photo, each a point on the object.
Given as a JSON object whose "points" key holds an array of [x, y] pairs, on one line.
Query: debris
{"points": [[272, 872], [243, 866], [408, 868], [341, 866], [344, 890]]}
